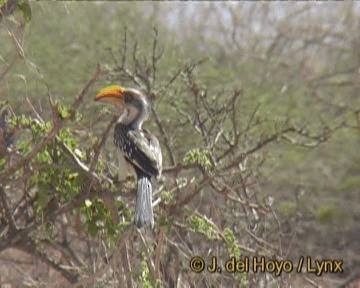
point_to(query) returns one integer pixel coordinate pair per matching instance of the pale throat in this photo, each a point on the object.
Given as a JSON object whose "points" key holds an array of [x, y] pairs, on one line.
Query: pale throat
{"points": [[133, 117]]}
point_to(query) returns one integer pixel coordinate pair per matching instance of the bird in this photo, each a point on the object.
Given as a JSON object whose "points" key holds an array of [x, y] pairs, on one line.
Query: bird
{"points": [[140, 148]]}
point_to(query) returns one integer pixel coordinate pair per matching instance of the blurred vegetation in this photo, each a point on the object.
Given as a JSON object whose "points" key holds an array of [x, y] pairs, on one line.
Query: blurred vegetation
{"points": [[283, 84]]}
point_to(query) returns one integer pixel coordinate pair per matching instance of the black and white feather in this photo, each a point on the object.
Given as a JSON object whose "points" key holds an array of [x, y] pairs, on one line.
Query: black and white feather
{"points": [[142, 150]]}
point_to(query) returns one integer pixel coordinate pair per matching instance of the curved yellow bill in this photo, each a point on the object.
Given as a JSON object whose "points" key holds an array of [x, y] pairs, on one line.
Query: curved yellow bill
{"points": [[112, 94]]}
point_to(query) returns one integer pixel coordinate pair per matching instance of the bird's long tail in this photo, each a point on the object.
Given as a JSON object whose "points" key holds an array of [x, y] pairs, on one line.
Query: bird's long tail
{"points": [[143, 211]]}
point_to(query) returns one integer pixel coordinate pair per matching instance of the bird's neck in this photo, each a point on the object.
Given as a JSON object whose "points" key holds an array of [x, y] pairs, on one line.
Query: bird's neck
{"points": [[135, 116]]}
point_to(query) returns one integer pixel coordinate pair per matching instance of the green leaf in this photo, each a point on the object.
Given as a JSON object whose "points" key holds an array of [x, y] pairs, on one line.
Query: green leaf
{"points": [[2, 163], [63, 111], [24, 6], [167, 197], [231, 241], [200, 225], [145, 278], [201, 156]]}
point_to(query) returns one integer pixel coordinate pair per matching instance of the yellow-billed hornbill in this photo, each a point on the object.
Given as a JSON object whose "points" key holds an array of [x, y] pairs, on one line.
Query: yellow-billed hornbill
{"points": [[140, 148]]}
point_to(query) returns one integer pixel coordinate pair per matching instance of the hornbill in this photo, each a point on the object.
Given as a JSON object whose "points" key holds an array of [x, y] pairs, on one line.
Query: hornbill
{"points": [[139, 147]]}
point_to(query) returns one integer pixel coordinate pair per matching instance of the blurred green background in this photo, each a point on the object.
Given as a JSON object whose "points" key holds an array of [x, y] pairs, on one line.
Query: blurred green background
{"points": [[298, 61]]}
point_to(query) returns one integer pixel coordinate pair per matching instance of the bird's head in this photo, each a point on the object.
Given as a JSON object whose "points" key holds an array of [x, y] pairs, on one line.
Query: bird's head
{"points": [[121, 96], [132, 101]]}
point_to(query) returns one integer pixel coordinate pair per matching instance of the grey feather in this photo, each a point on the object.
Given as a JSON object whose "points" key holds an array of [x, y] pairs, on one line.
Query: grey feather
{"points": [[143, 211]]}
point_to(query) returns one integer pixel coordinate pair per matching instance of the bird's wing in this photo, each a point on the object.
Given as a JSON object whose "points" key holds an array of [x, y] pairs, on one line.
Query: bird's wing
{"points": [[150, 146], [140, 148], [154, 146]]}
